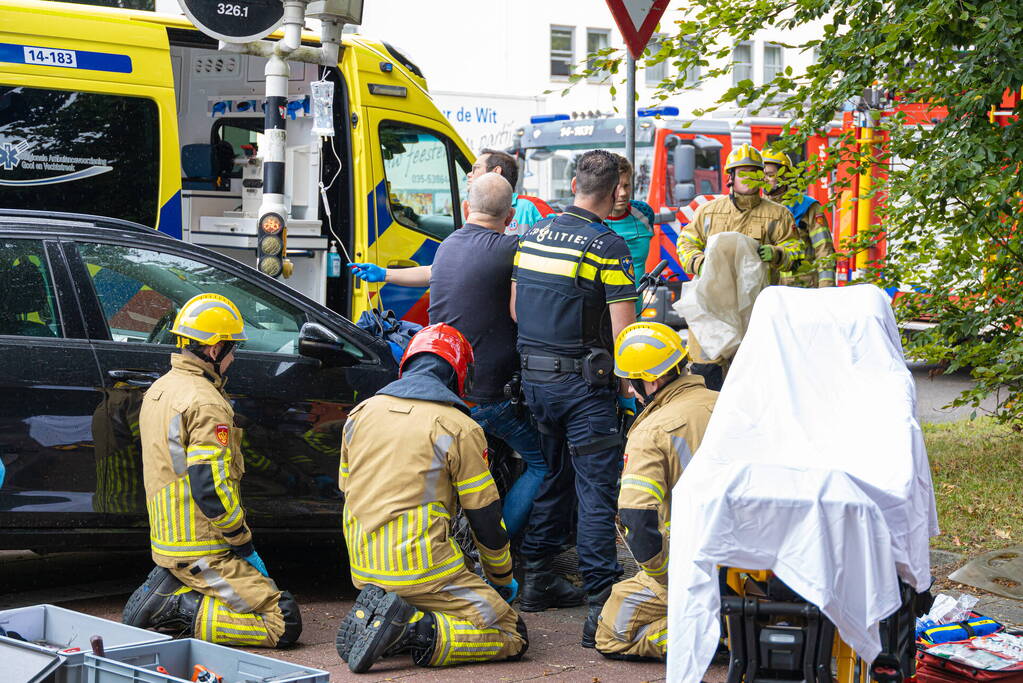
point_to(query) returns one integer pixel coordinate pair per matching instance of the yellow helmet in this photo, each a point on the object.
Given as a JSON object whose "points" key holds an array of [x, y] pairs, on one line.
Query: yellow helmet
{"points": [[208, 319], [648, 351], [744, 155], [780, 158]]}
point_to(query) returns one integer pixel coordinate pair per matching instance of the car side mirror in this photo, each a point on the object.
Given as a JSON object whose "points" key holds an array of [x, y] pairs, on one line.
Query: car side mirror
{"points": [[321, 343]]}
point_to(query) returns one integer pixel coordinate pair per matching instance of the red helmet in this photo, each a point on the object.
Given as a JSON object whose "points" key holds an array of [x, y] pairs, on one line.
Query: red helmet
{"points": [[445, 341]]}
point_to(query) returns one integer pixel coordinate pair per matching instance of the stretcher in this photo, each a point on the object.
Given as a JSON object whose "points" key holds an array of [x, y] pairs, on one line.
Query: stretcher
{"points": [[812, 483]]}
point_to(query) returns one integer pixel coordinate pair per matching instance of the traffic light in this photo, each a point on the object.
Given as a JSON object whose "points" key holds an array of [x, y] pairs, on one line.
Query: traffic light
{"points": [[272, 242]]}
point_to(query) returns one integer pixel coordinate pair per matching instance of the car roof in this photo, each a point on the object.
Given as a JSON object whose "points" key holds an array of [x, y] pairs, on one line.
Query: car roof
{"points": [[55, 221]]}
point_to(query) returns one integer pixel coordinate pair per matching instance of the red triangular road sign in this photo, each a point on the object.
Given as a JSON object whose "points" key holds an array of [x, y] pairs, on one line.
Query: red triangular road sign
{"points": [[636, 20]]}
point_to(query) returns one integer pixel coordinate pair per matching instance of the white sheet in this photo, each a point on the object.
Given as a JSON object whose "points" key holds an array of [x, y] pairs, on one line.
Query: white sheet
{"points": [[813, 465], [718, 303]]}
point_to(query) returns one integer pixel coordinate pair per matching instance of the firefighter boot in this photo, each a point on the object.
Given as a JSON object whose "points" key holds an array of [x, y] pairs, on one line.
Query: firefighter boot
{"points": [[595, 603], [386, 627], [542, 588], [162, 602]]}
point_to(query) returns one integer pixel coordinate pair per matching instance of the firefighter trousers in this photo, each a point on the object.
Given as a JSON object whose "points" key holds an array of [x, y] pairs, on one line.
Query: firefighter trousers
{"points": [[240, 606], [634, 620], [473, 623]]}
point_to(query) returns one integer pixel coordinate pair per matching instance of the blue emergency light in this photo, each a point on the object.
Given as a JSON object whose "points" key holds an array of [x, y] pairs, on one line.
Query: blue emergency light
{"points": [[658, 111], [548, 118]]}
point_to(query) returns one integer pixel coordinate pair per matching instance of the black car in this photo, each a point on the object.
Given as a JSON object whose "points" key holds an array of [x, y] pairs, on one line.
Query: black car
{"points": [[85, 309]]}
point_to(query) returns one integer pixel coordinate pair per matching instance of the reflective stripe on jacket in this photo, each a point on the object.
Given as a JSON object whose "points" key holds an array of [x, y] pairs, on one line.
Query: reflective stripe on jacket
{"points": [[192, 465]]}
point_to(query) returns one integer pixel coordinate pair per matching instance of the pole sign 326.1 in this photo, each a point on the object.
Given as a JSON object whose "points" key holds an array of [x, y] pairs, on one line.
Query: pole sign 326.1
{"points": [[235, 21]]}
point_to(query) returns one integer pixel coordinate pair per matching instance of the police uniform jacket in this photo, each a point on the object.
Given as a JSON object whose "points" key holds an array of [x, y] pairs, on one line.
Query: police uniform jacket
{"points": [[567, 270], [765, 221], [660, 445], [405, 463], [192, 465]]}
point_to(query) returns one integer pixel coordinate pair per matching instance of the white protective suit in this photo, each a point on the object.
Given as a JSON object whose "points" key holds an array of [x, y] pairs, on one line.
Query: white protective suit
{"points": [[813, 466]]}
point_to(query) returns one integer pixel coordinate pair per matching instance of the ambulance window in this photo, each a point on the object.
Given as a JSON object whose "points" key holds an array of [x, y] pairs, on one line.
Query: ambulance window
{"points": [[141, 290], [243, 135], [419, 172], [63, 150]]}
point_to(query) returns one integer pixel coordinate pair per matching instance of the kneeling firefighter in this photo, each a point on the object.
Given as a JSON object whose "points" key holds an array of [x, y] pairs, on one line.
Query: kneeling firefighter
{"points": [[634, 621], [209, 580], [408, 455]]}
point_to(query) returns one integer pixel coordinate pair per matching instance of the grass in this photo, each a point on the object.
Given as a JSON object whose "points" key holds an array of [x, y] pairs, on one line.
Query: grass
{"points": [[977, 467]]}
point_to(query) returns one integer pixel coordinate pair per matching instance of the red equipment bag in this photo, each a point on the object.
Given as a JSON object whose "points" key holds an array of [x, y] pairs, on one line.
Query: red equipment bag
{"points": [[934, 669]]}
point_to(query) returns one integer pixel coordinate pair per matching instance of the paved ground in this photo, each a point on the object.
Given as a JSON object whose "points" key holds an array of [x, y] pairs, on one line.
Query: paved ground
{"points": [[933, 393], [99, 583]]}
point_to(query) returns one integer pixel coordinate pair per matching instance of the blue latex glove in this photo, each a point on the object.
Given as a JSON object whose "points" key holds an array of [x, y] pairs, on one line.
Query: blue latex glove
{"points": [[766, 253], [370, 272], [627, 404], [256, 561], [508, 593]]}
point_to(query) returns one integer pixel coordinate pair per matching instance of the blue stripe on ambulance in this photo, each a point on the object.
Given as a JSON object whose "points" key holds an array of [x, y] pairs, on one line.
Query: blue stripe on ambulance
{"points": [[170, 216], [82, 59], [402, 299]]}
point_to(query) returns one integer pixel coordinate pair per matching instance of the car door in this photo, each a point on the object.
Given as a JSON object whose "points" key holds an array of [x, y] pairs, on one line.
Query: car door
{"points": [[50, 393], [290, 407]]}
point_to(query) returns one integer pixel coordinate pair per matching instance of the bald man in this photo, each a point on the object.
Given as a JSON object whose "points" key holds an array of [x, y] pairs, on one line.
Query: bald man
{"points": [[470, 289]]}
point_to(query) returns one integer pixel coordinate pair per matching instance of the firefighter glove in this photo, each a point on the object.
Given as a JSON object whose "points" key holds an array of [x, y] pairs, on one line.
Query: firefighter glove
{"points": [[256, 561], [508, 593], [767, 253], [370, 272]]}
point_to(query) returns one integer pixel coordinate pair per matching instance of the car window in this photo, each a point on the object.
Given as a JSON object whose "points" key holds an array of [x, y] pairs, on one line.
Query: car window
{"points": [[418, 173], [27, 304], [141, 290]]}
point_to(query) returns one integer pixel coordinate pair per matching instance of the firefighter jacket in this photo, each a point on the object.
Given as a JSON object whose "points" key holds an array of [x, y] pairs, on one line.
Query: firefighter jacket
{"points": [[815, 234], [660, 445], [192, 465], [765, 221], [405, 464]]}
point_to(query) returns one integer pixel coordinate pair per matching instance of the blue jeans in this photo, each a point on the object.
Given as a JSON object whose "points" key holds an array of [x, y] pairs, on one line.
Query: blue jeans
{"points": [[502, 421], [576, 424]]}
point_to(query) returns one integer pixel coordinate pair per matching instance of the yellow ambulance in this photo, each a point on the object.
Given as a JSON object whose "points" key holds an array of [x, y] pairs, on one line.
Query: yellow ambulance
{"points": [[138, 115]]}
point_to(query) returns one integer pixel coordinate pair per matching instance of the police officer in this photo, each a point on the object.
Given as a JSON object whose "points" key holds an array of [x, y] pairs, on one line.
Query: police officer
{"points": [[677, 408], [209, 580], [573, 290], [408, 456], [743, 211], [811, 223]]}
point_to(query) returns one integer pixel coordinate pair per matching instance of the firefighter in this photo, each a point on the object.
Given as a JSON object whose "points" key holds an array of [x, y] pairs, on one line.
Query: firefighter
{"points": [[574, 289], [209, 580], [632, 219], [744, 211], [409, 455], [677, 407], [811, 224]]}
